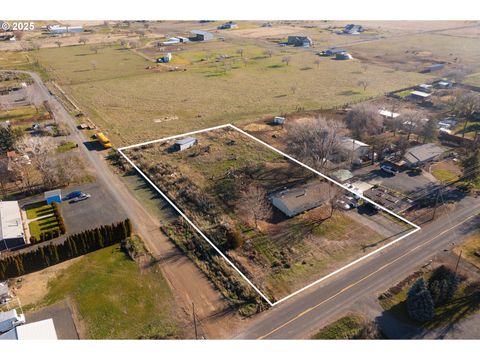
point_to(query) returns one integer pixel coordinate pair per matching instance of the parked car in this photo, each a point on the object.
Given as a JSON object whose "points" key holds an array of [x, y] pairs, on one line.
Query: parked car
{"points": [[72, 195], [389, 169], [81, 197]]}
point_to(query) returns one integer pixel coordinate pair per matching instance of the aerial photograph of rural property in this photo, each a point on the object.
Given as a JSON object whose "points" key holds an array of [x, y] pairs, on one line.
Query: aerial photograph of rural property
{"points": [[239, 179]]}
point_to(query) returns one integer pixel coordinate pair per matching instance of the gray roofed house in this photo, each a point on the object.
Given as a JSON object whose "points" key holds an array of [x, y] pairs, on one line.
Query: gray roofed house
{"points": [[422, 154], [353, 29], [296, 200], [184, 143], [303, 41]]}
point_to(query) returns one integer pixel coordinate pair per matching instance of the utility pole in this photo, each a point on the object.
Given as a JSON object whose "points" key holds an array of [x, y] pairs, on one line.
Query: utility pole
{"points": [[436, 204], [195, 321], [458, 261]]}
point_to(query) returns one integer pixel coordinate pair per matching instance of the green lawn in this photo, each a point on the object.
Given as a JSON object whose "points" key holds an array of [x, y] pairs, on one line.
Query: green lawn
{"points": [[346, 327], [115, 300], [38, 209], [43, 225], [444, 175]]}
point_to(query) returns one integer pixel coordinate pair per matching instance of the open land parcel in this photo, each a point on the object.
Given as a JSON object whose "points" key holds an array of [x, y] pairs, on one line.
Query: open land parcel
{"points": [[277, 222]]}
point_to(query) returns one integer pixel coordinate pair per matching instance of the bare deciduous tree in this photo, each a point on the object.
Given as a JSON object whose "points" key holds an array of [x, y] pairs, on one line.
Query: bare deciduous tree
{"points": [[293, 88], [363, 119], [411, 120], [94, 48], [253, 204], [268, 53], [94, 64], [314, 141], [133, 44], [363, 83], [317, 62], [83, 40], [240, 52], [465, 104], [58, 43], [286, 60]]}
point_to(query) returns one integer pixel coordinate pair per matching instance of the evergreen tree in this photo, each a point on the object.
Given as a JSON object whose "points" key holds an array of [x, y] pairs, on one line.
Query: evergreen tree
{"points": [[419, 302], [471, 167], [443, 284]]}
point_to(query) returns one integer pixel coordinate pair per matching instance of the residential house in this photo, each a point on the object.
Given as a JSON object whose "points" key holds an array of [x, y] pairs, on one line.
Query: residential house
{"points": [[228, 25], [38, 330], [388, 114], [185, 143], [351, 149], [303, 41], [302, 198], [11, 226], [343, 56], [200, 35], [422, 154], [352, 29]]}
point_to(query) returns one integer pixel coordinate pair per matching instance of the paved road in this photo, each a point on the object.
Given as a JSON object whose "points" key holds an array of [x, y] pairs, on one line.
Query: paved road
{"points": [[300, 316], [189, 285]]}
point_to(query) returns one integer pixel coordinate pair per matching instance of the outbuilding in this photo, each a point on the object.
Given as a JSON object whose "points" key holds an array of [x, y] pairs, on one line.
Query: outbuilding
{"points": [[201, 35], [303, 41], [11, 226], [419, 95], [10, 319], [343, 56], [53, 196], [185, 143], [278, 120], [4, 292]]}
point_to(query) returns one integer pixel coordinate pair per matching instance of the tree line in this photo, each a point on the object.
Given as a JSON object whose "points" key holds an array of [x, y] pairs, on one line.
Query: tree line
{"points": [[74, 245]]}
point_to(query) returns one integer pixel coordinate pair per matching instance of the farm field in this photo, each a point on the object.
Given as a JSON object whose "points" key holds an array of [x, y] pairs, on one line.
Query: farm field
{"points": [[210, 181], [132, 103], [105, 287]]}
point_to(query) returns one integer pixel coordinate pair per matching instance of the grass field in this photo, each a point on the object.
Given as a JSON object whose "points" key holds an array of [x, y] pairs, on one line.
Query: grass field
{"points": [[344, 328], [115, 300], [135, 104], [469, 248], [40, 226], [38, 209]]}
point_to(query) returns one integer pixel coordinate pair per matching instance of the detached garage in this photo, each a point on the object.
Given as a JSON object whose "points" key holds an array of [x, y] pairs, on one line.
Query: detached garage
{"points": [[53, 196]]}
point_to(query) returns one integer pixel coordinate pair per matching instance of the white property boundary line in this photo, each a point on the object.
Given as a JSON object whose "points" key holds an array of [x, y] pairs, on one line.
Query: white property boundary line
{"points": [[416, 227]]}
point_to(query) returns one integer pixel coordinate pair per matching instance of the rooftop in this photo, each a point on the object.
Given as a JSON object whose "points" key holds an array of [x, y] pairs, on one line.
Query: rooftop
{"points": [[420, 93], [185, 140], [389, 114], [423, 153], [10, 220], [351, 144], [305, 197], [56, 192], [39, 330], [200, 32]]}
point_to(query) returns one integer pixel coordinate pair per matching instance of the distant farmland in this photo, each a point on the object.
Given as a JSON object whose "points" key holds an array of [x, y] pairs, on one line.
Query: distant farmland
{"points": [[132, 103]]}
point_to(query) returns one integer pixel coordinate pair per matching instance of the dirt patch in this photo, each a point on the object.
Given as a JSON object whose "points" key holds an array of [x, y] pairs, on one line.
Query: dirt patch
{"points": [[33, 287]]}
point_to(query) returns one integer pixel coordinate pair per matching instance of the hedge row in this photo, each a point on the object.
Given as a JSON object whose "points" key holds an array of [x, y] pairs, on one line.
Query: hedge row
{"points": [[75, 245]]}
